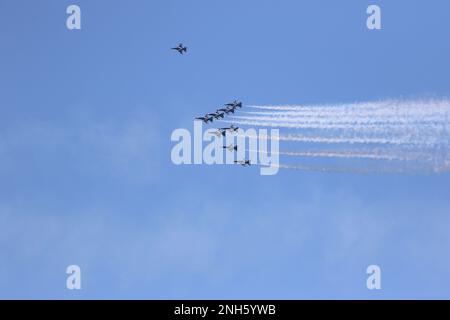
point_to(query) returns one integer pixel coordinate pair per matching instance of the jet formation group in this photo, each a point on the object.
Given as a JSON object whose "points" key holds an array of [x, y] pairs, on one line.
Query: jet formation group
{"points": [[222, 132], [220, 114]]}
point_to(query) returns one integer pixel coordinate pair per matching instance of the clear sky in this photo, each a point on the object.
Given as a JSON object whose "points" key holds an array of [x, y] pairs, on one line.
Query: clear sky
{"points": [[86, 176]]}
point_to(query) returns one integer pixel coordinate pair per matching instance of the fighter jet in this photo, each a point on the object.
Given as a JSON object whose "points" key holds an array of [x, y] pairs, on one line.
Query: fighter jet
{"points": [[231, 148], [205, 119], [223, 131], [243, 163], [216, 115], [220, 132], [232, 129], [231, 107], [235, 104], [180, 48], [226, 110]]}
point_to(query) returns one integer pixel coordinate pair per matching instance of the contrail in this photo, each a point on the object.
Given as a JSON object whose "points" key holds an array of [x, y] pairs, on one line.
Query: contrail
{"points": [[393, 105], [341, 122], [334, 140], [335, 169], [423, 135], [411, 133], [431, 118], [395, 112], [375, 155], [411, 170]]}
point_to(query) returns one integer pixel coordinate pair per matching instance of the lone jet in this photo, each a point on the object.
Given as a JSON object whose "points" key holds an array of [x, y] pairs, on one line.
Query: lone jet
{"points": [[180, 48], [216, 115], [235, 104], [243, 163], [231, 148], [205, 119]]}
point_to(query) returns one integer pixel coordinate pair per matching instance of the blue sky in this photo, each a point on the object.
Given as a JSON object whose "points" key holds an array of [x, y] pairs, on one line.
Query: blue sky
{"points": [[86, 176]]}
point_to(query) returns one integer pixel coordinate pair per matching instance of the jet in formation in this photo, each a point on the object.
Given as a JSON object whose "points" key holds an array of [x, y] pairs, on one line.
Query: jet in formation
{"points": [[232, 129], [223, 131], [235, 104], [180, 48], [205, 119], [227, 109], [243, 163], [231, 147], [217, 115], [221, 112]]}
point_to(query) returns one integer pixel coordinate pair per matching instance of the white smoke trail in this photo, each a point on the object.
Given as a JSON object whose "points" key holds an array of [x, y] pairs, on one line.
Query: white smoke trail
{"points": [[357, 107], [396, 112], [423, 135], [336, 140], [343, 121], [383, 170], [430, 112], [420, 127], [331, 169], [354, 154], [422, 118]]}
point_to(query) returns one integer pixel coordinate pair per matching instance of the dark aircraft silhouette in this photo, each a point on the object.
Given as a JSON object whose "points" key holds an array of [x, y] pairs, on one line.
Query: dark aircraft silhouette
{"points": [[220, 132], [227, 110], [216, 115], [180, 48], [243, 163], [235, 104], [205, 119], [231, 148], [231, 129], [223, 131]]}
